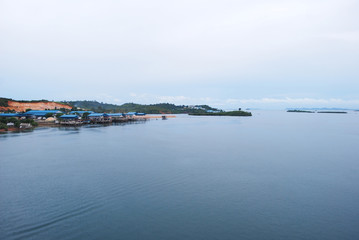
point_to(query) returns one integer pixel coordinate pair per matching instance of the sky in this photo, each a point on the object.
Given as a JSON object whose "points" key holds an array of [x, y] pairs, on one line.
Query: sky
{"points": [[264, 54]]}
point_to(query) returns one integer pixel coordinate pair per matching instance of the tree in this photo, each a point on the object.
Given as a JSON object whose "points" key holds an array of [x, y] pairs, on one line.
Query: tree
{"points": [[85, 115], [59, 115], [29, 109], [3, 126], [17, 123], [47, 115]]}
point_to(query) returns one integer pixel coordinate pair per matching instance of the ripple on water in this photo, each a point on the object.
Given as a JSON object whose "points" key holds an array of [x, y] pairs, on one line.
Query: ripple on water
{"points": [[30, 230]]}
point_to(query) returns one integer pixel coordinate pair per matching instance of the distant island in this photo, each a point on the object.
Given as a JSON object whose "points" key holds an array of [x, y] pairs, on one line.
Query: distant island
{"points": [[306, 111], [332, 112], [323, 109], [231, 113], [300, 111]]}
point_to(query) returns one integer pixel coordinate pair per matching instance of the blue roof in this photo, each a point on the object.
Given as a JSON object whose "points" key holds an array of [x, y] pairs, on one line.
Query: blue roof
{"points": [[140, 114], [69, 116], [40, 112], [98, 115], [43, 111], [130, 113], [115, 114], [9, 115], [81, 112]]}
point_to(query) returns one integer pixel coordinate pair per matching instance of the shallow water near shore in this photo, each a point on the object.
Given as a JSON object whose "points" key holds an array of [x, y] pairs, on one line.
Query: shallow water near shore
{"points": [[274, 175]]}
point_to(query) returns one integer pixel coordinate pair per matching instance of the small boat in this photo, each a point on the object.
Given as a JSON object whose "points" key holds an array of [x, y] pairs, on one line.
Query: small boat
{"points": [[164, 118]]}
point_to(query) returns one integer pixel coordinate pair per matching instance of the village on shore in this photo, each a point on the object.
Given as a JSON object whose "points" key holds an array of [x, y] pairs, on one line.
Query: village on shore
{"points": [[27, 114], [33, 118]]}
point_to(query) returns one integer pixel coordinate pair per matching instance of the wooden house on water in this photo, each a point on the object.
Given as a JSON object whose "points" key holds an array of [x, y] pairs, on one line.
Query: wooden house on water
{"points": [[99, 118], [117, 117], [70, 120]]}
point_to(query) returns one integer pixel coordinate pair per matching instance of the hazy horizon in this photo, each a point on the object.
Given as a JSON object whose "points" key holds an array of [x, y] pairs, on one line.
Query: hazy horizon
{"points": [[227, 54]]}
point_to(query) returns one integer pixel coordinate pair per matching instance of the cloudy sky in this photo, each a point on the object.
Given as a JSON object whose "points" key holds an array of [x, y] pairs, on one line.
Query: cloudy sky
{"points": [[226, 53]]}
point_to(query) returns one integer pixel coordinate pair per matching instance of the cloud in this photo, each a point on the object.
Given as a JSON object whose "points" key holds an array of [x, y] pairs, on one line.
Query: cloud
{"points": [[180, 51]]}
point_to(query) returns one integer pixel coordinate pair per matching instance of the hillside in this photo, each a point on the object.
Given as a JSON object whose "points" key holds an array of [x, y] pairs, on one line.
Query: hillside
{"points": [[159, 108], [7, 104]]}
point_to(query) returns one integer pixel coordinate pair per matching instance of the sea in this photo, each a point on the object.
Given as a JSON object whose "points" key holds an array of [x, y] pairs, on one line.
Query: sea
{"points": [[275, 175]]}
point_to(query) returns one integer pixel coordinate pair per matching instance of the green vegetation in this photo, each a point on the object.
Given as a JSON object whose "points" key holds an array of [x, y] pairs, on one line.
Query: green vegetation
{"points": [[59, 115], [85, 115], [3, 126], [31, 101], [160, 108], [4, 102], [9, 111], [65, 110], [232, 113], [300, 111], [17, 122], [31, 121]]}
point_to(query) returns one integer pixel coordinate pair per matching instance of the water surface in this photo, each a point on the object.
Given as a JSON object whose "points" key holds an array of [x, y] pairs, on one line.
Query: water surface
{"points": [[275, 175]]}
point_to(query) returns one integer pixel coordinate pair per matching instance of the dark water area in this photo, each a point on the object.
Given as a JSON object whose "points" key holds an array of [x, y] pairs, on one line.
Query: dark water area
{"points": [[275, 175]]}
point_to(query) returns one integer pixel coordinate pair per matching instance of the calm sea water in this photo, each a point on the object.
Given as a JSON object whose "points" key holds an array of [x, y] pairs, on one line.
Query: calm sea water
{"points": [[275, 175]]}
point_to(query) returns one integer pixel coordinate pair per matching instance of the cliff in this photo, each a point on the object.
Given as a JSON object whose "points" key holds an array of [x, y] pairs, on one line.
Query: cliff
{"points": [[21, 106]]}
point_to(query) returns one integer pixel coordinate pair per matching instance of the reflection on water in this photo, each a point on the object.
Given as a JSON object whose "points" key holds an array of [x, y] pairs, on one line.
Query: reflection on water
{"points": [[272, 176], [72, 129], [15, 133]]}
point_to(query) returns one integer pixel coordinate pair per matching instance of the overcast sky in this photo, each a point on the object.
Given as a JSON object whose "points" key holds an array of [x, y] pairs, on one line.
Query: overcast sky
{"points": [[257, 54]]}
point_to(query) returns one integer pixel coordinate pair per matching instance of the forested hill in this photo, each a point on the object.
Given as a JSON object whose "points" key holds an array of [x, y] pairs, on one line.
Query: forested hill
{"points": [[159, 108]]}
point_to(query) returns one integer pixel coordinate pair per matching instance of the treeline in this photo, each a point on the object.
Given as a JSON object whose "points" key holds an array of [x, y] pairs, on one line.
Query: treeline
{"points": [[160, 108], [4, 121], [4, 102]]}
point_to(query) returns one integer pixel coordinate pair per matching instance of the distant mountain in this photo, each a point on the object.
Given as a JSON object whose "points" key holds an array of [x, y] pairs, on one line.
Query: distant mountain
{"points": [[160, 108]]}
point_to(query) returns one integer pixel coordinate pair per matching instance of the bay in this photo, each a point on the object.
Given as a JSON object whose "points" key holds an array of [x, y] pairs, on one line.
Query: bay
{"points": [[274, 175]]}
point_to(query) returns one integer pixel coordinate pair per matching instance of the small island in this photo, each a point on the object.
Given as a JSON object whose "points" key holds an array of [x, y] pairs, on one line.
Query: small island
{"points": [[300, 111], [230, 113], [341, 112]]}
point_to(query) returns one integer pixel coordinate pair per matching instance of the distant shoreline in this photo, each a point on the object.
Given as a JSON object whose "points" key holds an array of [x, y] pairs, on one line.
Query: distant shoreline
{"points": [[232, 113]]}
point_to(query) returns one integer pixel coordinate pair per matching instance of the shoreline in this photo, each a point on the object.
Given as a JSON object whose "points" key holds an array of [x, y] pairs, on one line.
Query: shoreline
{"points": [[42, 123]]}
